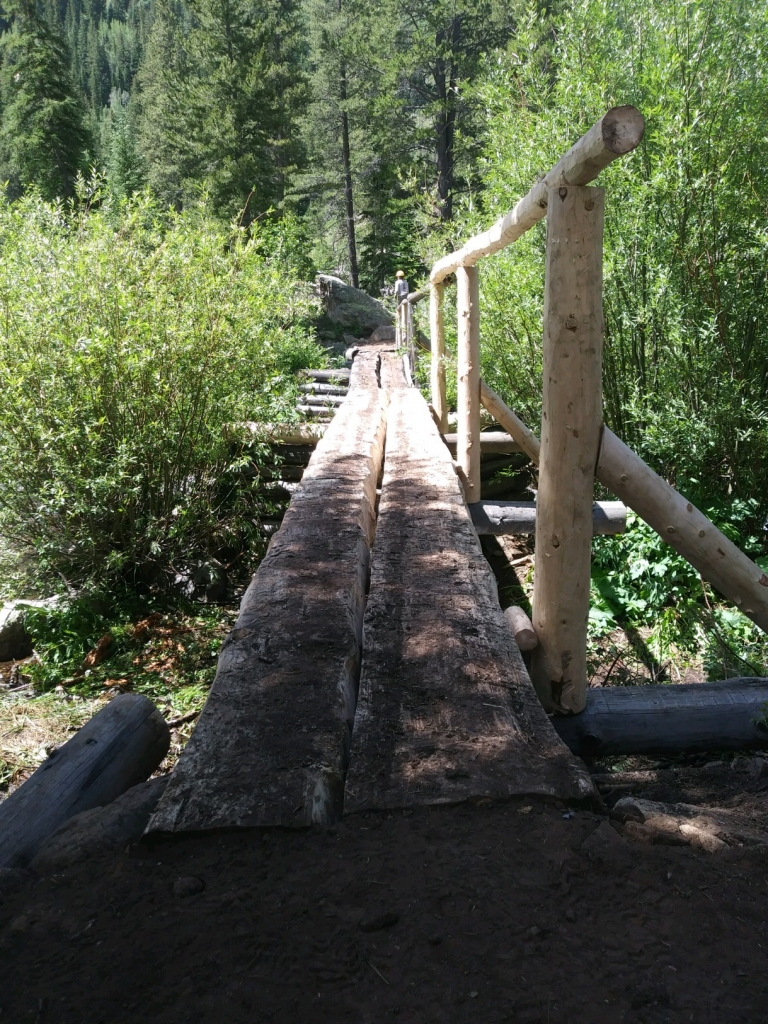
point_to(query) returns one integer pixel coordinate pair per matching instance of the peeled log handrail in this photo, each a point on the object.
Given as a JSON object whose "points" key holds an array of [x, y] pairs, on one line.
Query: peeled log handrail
{"points": [[617, 133], [669, 513]]}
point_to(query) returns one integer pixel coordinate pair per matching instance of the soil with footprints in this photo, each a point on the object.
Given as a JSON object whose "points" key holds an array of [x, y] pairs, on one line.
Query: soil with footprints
{"points": [[521, 912]]}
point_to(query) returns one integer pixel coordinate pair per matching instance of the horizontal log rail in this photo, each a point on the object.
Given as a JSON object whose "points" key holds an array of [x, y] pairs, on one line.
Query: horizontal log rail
{"points": [[617, 133]]}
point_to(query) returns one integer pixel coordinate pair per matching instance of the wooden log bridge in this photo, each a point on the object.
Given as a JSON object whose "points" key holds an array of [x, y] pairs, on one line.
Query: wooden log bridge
{"points": [[371, 666], [447, 711]]}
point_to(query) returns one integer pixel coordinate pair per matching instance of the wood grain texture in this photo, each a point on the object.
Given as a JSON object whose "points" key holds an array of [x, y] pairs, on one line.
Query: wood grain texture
{"points": [[446, 711], [118, 748], [468, 378], [271, 745], [571, 422], [725, 715]]}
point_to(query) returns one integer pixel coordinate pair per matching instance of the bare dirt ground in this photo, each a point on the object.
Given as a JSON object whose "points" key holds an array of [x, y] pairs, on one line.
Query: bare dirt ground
{"points": [[520, 912]]}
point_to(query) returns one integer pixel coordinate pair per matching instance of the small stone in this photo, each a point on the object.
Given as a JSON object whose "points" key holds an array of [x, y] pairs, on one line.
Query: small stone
{"points": [[435, 940], [376, 924], [473, 995], [188, 886], [570, 914]]}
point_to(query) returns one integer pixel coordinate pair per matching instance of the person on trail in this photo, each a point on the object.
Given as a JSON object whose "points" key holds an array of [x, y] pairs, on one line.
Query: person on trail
{"points": [[401, 287]]}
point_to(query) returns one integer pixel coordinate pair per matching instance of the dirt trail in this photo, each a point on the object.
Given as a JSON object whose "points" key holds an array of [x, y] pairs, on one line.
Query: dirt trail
{"points": [[520, 912]]}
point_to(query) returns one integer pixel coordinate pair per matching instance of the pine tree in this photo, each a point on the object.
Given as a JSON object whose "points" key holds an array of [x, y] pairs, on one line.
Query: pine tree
{"points": [[219, 100], [43, 138]]}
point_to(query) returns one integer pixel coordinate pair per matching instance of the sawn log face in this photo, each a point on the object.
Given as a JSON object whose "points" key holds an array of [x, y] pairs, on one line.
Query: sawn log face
{"points": [[271, 745], [446, 711]]}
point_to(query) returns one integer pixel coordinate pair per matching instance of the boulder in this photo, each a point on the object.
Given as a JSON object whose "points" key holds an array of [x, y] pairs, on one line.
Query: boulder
{"points": [[15, 641], [101, 829], [383, 333], [354, 311]]}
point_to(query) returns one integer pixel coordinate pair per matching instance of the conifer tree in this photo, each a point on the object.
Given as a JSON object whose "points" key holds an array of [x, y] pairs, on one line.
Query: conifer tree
{"points": [[43, 138], [219, 101]]}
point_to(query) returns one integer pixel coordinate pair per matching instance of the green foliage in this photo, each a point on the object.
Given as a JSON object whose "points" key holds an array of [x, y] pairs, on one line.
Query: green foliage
{"points": [[130, 343], [220, 89], [686, 246], [640, 582], [43, 139]]}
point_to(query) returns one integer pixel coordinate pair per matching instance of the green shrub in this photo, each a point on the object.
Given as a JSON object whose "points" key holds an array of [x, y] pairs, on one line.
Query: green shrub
{"points": [[131, 339]]}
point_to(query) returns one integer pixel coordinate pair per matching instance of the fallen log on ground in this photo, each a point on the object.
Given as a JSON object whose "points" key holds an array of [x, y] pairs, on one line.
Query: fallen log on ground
{"points": [[729, 714], [509, 518], [120, 747]]}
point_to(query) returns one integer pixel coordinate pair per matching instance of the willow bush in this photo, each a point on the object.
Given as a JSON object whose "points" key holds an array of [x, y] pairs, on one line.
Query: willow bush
{"points": [[131, 339], [686, 241]]}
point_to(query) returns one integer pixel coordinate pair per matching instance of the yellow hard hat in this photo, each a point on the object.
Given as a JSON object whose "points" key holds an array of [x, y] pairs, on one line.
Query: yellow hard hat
{"points": [[399, 274]]}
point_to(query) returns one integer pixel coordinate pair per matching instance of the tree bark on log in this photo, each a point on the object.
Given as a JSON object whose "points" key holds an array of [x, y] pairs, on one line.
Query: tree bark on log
{"points": [[118, 748], [685, 718], [571, 421], [512, 518], [468, 398]]}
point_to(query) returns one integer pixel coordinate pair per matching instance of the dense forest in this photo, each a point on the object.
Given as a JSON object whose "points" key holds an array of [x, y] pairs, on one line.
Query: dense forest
{"points": [[174, 169]]}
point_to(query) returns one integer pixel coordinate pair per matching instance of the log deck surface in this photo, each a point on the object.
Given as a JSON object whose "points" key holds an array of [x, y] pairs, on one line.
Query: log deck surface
{"points": [[446, 711], [271, 745]]}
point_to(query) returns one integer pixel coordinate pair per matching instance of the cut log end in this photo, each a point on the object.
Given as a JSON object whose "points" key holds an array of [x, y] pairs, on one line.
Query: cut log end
{"points": [[622, 129], [522, 628]]}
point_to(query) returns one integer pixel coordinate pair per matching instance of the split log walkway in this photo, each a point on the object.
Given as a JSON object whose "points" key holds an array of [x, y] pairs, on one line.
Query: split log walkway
{"points": [[447, 712]]}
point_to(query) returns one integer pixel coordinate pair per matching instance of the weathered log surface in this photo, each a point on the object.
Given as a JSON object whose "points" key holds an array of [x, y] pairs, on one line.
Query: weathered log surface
{"points": [[271, 745], [446, 711], [618, 132], [492, 442], [118, 748], [323, 389], [330, 375], [724, 715], [504, 518]]}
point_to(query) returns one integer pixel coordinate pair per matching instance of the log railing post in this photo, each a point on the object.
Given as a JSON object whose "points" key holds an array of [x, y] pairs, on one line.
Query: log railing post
{"points": [[468, 396], [570, 441], [437, 345]]}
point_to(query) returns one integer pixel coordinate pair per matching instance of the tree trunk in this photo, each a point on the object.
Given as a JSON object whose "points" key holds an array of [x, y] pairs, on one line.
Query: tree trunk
{"points": [[348, 196]]}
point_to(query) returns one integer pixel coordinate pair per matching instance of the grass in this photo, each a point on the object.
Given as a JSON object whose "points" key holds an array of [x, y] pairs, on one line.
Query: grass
{"points": [[169, 656]]}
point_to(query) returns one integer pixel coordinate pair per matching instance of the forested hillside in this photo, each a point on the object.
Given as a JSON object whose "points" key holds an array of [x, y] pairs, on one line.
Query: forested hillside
{"points": [[355, 138]]}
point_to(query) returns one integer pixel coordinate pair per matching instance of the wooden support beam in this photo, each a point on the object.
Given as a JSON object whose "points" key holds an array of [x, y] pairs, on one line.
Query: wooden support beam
{"points": [[618, 132], [468, 426], [323, 389], [330, 375], [118, 748], [437, 344], [692, 535], [513, 518], [491, 443], [522, 628], [724, 715], [511, 422], [571, 422], [685, 528]]}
